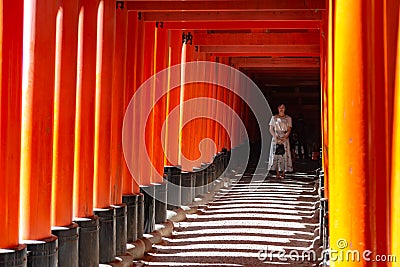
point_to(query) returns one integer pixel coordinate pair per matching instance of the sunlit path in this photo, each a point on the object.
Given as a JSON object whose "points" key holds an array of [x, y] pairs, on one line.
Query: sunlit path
{"points": [[248, 224]]}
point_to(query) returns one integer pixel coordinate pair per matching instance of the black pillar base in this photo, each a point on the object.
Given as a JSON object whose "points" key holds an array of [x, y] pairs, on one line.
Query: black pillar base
{"points": [[67, 245], [42, 253], [173, 176], [160, 202], [131, 202], [149, 222], [140, 216], [106, 234], [88, 241], [120, 228], [198, 182], [186, 188], [14, 257], [204, 167]]}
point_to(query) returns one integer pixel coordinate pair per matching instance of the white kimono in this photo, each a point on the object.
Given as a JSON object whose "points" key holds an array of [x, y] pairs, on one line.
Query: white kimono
{"points": [[281, 126]]}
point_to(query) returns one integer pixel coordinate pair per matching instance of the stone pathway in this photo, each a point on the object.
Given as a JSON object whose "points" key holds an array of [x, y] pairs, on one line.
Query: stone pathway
{"points": [[263, 222]]}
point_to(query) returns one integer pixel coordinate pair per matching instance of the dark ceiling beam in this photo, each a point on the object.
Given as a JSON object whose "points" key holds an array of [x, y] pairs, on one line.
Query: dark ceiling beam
{"points": [[275, 62], [249, 5], [290, 15], [226, 25], [296, 95], [272, 50], [213, 39], [283, 72]]}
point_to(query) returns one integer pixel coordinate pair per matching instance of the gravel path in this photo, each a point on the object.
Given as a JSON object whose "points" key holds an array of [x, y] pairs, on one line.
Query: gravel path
{"points": [[253, 223]]}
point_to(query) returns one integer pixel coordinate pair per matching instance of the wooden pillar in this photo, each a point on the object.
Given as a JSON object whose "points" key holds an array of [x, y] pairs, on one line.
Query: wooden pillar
{"points": [[117, 103], [85, 108], [330, 89], [213, 96], [391, 24], [395, 171], [104, 72], [181, 101], [11, 31], [237, 108], [146, 175], [187, 92], [64, 113], [37, 118], [173, 99], [360, 174], [139, 80], [160, 63], [204, 87], [324, 96], [349, 145], [378, 167], [130, 184], [219, 96], [233, 100], [225, 76]]}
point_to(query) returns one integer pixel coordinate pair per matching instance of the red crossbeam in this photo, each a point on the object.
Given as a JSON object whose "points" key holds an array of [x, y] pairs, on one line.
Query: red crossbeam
{"points": [[276, 62], [304, 50], [226, 5], [293, 15], [215, 25], [256, 39]]}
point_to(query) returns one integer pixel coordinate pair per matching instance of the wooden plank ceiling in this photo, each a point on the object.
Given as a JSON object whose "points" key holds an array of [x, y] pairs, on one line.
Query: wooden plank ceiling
{"points": [[275, 42]]}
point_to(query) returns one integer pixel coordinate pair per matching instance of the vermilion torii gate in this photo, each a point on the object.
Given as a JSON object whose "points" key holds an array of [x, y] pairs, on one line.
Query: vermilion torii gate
{"points": [[69, 69]]}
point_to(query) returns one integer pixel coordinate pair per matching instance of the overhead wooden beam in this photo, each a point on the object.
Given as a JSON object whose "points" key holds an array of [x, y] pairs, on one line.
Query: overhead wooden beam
{"points": [[275, 62], [273, 50], [203, 39], [283, 71], [224, 25], [254, 54], [292, 15], [285, 95], [251, 5], [184, 0]]}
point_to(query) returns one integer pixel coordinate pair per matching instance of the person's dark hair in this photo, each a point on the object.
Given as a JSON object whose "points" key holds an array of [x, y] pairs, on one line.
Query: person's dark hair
{"points": [[280, 104]]}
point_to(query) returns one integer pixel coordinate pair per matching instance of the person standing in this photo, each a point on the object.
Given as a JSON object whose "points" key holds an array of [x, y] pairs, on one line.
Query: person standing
{"points": [[280, 126]]}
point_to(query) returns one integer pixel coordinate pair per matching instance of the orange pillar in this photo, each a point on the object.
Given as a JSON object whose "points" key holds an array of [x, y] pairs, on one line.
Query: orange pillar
{"points": [[187, 92], [130, 184], [329, 101], [348, 181], [203, 133], [139, 80], [37, 119], [378, 167], [324, 96], [173, 100], [104, 72], [64, 113], [11, 30], [181, 101], [360, 174], [237, 108], [84, 118], [219, 96], [146, 175], [212, 95], [391, 23], [226, 100], [117, 105], [395, 171], [160, 63]]}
